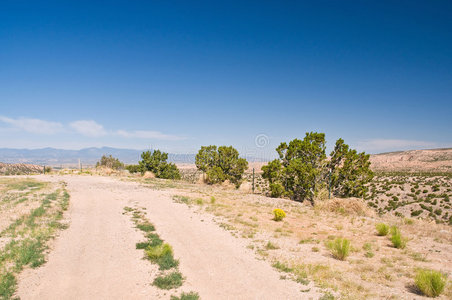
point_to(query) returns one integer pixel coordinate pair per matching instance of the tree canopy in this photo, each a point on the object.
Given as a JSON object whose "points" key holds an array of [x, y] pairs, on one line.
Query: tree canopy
{"points": [[221, 164], [303, 169], [156, 162]]}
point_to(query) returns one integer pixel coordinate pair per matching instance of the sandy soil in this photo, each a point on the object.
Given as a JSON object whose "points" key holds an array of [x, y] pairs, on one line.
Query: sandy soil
{"points": [[96, 257]]}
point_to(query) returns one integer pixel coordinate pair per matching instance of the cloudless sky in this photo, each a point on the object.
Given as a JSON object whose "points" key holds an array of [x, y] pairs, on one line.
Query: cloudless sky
{"points": [[176, 75]]}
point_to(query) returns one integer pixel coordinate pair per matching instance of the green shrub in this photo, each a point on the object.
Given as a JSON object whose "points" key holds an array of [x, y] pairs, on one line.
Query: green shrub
{"points": [[279, 214], [382, 229], [170, 281], [110, 162], [340, 248], [142, 245], [133, 168], [431, 283], [146, 227], [220, 164], [276, 190], [299, 173], [186, 296], [159, 251], [416, 213], [397, 240], [154, 239], [156, 162], [167, 262]]}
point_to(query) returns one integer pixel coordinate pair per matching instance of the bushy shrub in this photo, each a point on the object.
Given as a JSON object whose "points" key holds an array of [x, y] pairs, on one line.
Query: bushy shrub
{"points": [[110, 162], [303, 170], [340, 248], [382, 229], [156, 162], [398, 241], [221, 164], [431, 283], [276, 190], [278, 214], [133, 168], [416, 213]]}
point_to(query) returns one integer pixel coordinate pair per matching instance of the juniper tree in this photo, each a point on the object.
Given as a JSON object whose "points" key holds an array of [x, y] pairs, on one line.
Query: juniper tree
{"points": [[156, 162], [303, 169], [221, 164]]}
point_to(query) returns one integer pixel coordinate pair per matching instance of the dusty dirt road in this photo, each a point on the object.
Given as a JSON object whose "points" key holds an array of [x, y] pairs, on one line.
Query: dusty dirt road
{"points": [[95, 258]]}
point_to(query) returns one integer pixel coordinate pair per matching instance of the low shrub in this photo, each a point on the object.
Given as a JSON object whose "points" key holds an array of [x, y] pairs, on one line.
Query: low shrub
{"points": [[133, 168], [146, 227], [397, 240], [186, 296], [416, 213], [170, 281], [340, 248], [279, 214], [162, 255], [156, 252], [382, 229], [431, 283]]}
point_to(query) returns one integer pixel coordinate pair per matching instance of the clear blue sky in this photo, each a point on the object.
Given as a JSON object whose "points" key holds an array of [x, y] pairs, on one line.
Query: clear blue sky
{"points": [[179, 74]]}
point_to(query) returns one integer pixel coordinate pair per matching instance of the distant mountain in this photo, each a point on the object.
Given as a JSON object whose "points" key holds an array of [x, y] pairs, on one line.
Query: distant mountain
{"points": [[87, 156], [431, 160]]}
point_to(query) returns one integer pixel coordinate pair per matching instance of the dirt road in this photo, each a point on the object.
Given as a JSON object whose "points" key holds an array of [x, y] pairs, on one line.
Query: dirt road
{"points": [[95, 258]]}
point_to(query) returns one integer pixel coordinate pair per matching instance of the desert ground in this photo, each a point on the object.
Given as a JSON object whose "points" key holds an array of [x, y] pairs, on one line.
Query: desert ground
{"points": [[226, 243]]}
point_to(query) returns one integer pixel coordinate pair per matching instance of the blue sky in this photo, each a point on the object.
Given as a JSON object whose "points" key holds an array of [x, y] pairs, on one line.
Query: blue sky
{"points": [[176, 75]]}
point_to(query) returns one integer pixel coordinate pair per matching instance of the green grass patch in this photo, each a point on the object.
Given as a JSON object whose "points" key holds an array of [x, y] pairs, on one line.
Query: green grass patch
{"points": [[382, 229], [146, 227], [186, 296], [171, 281], [431, 283], [398, 241], [7, 286], [282, 267], [340, 248]]}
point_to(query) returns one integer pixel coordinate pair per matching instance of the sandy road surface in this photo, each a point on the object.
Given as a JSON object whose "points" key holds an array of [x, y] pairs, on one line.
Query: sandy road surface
{"points": [[96, 257]]}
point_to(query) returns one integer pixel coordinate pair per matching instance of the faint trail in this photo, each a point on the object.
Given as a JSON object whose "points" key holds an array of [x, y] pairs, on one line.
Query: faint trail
{"points": [[96, 257]]}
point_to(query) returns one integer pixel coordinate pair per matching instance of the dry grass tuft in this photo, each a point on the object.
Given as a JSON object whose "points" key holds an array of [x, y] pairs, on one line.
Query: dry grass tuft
{"points": [[349, 206]]}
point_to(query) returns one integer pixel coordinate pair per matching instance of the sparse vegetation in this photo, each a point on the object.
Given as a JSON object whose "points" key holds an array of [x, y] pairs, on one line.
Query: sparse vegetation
{"points": [[160, 253], [25, 239]]}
